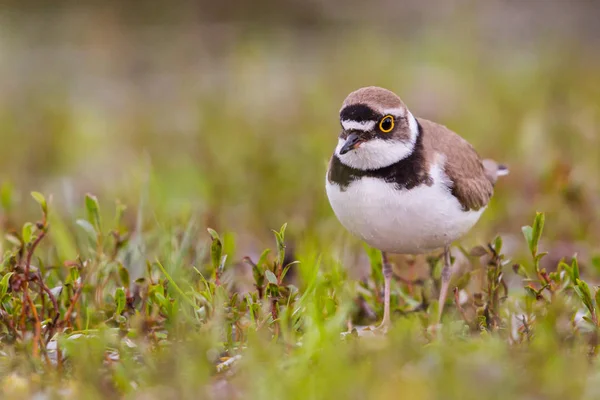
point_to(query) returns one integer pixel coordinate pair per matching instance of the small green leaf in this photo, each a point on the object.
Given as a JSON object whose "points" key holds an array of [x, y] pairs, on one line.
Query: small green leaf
{"points": [[282, 230], [216, 249], [27, 233], [498, 244], [161, 301], [287, 268], [280, 239], [575, 269], [562, 266], [597, 297], [152, 289], [271, 278], [587, 319], [4, 284], [583, 291], [531, 292], [120, 300], [263, 258], [528, 233], [213, 234], [87, 227], [222, 264], [124, 275], [520, 270], [538, 227], [554, 277], [41, 201], [93, 211]]}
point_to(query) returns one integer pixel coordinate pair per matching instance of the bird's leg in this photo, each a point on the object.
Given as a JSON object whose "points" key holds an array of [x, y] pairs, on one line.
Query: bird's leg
{"points": [[387, 278], [446, 275]]}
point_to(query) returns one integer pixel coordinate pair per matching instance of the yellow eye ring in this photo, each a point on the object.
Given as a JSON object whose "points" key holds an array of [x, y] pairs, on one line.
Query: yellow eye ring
{"points": [[386, 124]]}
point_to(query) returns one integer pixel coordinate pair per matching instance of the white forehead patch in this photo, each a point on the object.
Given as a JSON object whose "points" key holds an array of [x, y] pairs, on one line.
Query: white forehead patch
{"points": [[396, 112], [364, 126]]}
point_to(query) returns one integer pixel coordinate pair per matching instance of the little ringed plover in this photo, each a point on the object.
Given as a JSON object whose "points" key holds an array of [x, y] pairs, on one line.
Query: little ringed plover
{"points": [[405, 184]]}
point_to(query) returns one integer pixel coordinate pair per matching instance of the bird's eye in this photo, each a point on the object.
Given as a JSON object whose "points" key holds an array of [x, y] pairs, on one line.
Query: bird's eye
{"points": [[386, 124]]}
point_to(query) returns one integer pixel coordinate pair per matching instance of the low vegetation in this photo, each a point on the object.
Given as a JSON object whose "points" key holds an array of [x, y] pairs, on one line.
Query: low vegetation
{"points": [[84, 328]]}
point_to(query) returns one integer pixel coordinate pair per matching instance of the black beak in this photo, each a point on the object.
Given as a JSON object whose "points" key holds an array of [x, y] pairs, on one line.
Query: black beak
{"points": [[352, 142]]}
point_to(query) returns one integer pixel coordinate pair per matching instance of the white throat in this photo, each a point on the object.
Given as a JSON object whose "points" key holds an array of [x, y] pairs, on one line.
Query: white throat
{"points": [[379, 153]]}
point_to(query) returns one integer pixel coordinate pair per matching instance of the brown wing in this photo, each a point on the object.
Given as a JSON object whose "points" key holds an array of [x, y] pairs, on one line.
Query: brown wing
{"points": [[470, 184]]}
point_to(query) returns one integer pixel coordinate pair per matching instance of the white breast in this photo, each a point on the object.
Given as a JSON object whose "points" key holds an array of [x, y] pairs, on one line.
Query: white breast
{"points": [[403, 221]]}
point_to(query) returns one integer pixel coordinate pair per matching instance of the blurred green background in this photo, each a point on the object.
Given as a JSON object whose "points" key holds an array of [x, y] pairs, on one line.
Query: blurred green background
{"points": [[228, 111], [224, 115]]}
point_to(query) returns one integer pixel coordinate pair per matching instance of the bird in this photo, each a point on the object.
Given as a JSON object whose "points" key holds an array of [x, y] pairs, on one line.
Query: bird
{"points": [[404, 184]]}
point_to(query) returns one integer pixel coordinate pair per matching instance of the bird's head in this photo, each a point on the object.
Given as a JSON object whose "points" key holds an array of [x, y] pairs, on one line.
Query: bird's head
{"points": [[377, 129]]}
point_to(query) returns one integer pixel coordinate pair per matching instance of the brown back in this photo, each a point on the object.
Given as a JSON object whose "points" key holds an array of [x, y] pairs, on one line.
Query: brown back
{"points": [[471, 184]]}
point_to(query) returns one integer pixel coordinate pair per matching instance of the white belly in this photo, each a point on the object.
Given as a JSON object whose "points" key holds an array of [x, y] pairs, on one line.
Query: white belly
{"points": [[403, 221]]}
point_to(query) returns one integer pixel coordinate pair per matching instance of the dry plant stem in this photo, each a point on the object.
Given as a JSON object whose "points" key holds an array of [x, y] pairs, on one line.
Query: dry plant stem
{"points": [[73, 302], [50, 295], [51, 328], [45, 289], [387, 277], [446, 275], [43, 299], [32, 250], [38, 329], [26, 299], [22, 320]]}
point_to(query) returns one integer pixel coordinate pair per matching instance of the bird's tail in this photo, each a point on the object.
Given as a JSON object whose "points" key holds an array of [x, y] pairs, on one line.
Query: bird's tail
{"points": [[493, 170]]}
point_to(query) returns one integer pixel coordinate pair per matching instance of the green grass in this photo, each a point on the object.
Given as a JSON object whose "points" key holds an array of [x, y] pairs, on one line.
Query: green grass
{"points": [[130, 295], [93, 331]]}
